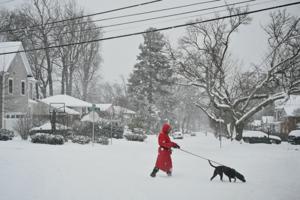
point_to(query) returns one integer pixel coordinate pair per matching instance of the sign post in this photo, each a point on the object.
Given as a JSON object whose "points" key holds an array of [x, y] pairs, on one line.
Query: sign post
{"points": [[93, 131]]}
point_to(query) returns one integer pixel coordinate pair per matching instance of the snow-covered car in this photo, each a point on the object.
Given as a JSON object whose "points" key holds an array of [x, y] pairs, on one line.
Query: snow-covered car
{"points": [[294, 137], [177, 135], [274, 139], [253, 137], [193, 133]]}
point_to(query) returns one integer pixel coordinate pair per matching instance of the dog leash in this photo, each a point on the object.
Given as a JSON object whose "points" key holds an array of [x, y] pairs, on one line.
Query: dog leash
{"points": [[200, 157]]}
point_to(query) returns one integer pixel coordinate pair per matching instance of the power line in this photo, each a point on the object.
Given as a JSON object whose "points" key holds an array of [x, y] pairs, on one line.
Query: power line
{"points": [[193, 16], [160, 17], [152, 11], [160, 29], [7, 1], [83, 16], [130, 15], [173, 15]]}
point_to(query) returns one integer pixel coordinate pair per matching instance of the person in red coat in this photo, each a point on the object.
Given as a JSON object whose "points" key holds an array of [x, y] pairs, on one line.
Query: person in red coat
{"points": [[164, 161]]}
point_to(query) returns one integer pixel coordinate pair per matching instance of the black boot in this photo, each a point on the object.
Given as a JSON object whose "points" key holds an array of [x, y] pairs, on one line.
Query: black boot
{"points": [[153, 173], [169, 173]]}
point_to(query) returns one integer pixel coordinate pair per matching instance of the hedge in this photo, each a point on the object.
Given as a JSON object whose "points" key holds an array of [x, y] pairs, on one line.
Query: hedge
{"points": [[45, 138], [6, 134], [80, 139]]}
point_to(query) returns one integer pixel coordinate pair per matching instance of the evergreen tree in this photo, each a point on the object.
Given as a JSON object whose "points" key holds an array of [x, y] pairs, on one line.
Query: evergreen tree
{"points": [[150, 79]]}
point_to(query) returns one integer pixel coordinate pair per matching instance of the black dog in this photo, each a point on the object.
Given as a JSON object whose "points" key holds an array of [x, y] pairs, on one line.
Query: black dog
{"points": [[231, 173]]}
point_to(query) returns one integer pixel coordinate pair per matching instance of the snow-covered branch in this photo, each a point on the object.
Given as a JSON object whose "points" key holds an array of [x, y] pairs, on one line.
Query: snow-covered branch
{"points": [[243, 99], [258, 107], [209, 114]]}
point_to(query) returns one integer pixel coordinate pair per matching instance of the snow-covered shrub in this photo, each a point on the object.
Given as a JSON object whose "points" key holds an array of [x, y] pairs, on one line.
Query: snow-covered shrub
{"points": [[6, 134], [85, 129], [45, 138], [66, 133], [115, 130], [102, 140], [81, 139], [135, 137], [23, 126]]}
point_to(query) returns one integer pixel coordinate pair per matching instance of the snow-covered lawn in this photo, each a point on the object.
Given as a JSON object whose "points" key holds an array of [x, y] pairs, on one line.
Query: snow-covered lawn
{"points": [[121, 171]]}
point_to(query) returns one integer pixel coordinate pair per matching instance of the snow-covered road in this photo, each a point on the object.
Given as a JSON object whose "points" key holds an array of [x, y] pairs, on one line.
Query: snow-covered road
{"points": [[121, 171]]}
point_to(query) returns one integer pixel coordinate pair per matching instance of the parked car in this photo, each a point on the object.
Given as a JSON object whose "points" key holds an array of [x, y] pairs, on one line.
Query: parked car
{"points": [[253, 137], [193, 133], [294, 137], [274, 139], [177, 135]]}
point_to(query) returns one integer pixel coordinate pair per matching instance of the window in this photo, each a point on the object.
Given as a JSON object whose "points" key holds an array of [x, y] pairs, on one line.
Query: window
{"points": [[22, 87], [10, 86], [30, 90]]}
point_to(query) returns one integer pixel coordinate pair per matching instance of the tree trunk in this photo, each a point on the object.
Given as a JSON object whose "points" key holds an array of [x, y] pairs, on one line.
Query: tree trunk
{"points": [[37, 91], [49, 66], [70, 83], [239, 131], [84, 91], [44, 91], [63, 77]]}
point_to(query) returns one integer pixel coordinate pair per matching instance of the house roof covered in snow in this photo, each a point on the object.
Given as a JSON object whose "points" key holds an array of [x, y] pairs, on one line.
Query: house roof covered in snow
{"points": [[6, 59], [66, 110], [69, 101], [122, 110], [104, 106], [91, 117], [291, 106], [108, 107]]}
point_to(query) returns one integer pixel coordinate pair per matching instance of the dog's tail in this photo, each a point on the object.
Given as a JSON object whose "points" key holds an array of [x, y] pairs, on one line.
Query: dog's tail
{"points": [[211, 164]]}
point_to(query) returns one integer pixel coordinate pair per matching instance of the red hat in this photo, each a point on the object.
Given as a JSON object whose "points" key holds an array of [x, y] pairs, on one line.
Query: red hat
{"points": [[166, 127]]}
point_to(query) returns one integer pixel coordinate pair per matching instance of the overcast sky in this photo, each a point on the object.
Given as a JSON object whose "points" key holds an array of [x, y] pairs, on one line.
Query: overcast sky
{"points": [[119, 55]]}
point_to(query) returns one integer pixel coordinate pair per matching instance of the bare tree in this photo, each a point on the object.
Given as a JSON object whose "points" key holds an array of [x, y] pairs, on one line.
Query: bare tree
{"points": [[74, 61], [89, 60], [229, 97], [39, 16], [42, 14], [69, 32]]}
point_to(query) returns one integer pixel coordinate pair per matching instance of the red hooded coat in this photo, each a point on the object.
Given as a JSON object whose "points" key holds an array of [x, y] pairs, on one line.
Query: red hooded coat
{"points": [[164, 161]]}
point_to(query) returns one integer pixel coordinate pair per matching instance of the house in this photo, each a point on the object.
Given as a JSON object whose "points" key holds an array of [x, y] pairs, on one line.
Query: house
{"points": [[125, 113], [255, 125], [17, 84], [64, 101], [287, 112], [117, 112], [68, 109], [105, 107], [266, 122]]}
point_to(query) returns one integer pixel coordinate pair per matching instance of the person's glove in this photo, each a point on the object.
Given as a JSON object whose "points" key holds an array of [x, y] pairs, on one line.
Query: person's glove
{"points": [[176, 146]]}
